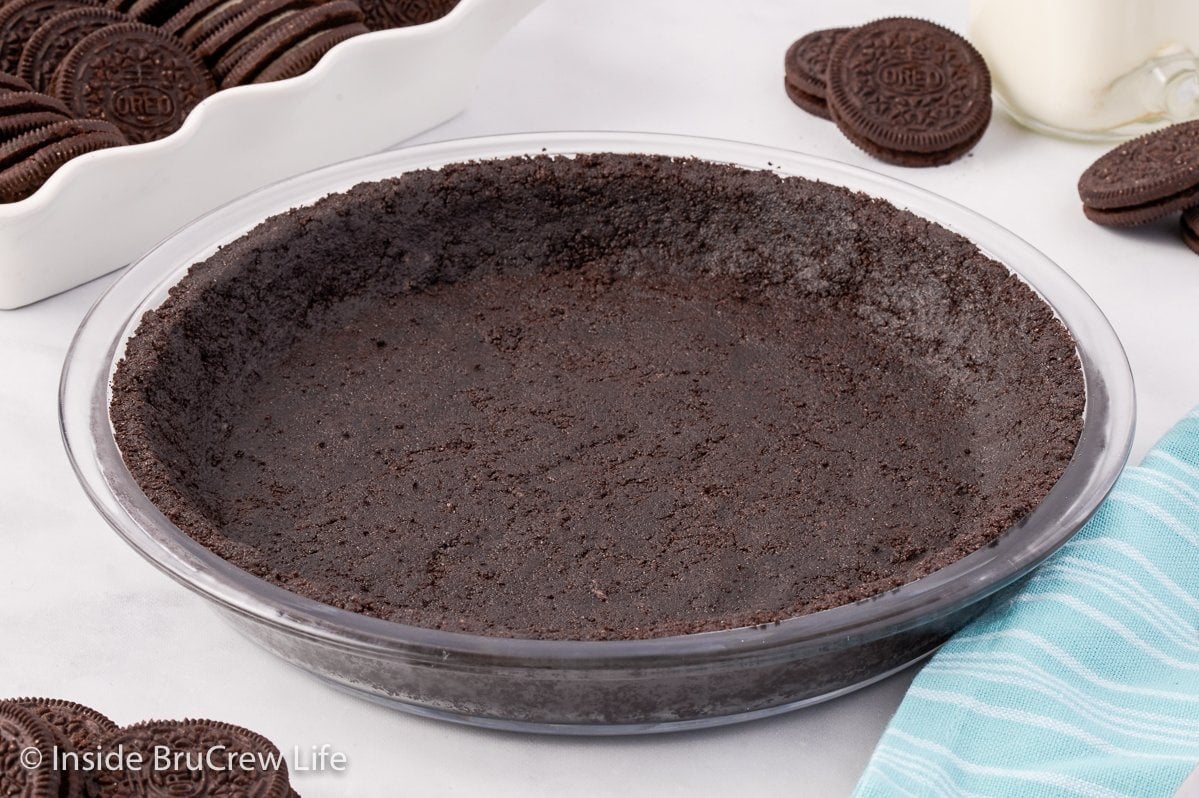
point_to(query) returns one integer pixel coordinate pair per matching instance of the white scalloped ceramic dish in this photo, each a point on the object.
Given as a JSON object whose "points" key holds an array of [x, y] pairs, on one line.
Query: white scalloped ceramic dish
{"points": [[368, 94]]}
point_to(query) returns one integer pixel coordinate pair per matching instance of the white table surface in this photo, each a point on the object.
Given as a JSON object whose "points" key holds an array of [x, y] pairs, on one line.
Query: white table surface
{"points": [[83, 617]]}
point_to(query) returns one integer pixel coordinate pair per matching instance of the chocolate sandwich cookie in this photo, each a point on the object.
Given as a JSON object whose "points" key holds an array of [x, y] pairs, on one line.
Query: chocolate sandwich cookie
{"points": [[384, 14], [26, 755], [17, 125], [23, 111], [22, 147], [248, 765], [21, 102], [182, 18], [805, 68], [308, 52], [254, 38], [75, 727], [1135, 215], [252, 17], [211, 21], [909, 92], [816, 106], [19, 19], [83, 726], [294, 46], [142, 80], [1144, 179], [155, 12], [27, 161], [152, 12], [10, 82], [51, 42], [1190, 229]]}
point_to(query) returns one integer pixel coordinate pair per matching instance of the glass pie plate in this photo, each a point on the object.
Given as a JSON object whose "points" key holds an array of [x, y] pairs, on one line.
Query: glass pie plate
{"points": [[595, 687]]}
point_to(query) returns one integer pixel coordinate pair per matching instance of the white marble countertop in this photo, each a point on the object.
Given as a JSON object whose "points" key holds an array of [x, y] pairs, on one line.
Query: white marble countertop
{"points": [[83, 617]]}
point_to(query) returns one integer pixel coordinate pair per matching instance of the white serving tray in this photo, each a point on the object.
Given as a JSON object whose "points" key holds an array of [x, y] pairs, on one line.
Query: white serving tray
{"points": [[105, 209]]}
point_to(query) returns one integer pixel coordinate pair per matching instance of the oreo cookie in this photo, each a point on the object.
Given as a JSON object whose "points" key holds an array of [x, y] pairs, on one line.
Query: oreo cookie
{"points": [[181, 20], [139, 78], [24, 111], [805, 69], [246, 764], [19, 19], [293, 46], [27, 161], [384, 14], [816, 106], [19, 124], [153, 12], [909, 92], [51, 42], [10, 82], [1190, 229], [74, 727], [27, 754], [189, 757], [212, 21], [22, 147], [82, 726], [251, 18], [20, 102], [1144, 179], [305, 55]]}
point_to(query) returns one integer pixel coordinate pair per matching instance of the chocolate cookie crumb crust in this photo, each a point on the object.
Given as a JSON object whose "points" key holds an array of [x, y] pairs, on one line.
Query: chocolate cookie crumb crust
{"points": [[608, 397]]}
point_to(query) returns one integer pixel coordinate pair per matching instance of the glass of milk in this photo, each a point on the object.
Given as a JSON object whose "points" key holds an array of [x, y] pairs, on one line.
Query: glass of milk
{"points": [[1092, 69]]}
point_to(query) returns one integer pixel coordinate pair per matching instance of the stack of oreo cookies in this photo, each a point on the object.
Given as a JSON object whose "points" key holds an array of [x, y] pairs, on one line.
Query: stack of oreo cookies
{"points": [[806, 70], [136, 68], [51, 748], [101, 64], [256, 41], [905, 91], [38, 134], [384, 14], [1147, 179]]}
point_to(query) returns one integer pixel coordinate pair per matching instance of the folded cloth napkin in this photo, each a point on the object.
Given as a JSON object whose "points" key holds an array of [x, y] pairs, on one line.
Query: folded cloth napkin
{"points": [[1085, 683]]}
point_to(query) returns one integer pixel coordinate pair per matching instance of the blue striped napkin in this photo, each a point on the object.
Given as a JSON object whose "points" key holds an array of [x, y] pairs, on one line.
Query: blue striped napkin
{"points": [[1086, 683]]}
